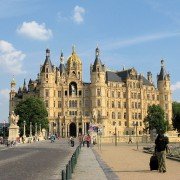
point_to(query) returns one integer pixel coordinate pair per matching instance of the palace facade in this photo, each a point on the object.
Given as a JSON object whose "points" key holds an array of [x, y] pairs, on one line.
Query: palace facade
{"points": [[111, 100]]}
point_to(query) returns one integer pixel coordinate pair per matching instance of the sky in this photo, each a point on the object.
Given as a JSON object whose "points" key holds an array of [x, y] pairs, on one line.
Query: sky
{"points": [[131, 33]]}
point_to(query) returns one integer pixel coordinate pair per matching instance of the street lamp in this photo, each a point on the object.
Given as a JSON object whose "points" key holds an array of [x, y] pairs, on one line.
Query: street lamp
{"points": [[30, 129], [24, 129], [115, 135], [4, 126], [36, 129], [135, 124], [40, 129]]}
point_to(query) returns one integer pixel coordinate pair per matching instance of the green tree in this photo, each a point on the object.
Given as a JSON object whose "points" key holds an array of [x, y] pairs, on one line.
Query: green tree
{"points": [[176, 116], [32, 110], [155, 119]]}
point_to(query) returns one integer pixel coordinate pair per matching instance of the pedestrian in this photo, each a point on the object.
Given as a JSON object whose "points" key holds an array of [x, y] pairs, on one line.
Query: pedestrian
{"points": [[88, 140], [84, 139], [130, 140], [72, 141], [161, 148]]}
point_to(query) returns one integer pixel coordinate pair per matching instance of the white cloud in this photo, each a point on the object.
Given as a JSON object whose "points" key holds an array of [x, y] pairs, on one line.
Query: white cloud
{"points": [[176, 86], [10, 58], [5, 93], [35, 31], [78, 14], [140, 39]]}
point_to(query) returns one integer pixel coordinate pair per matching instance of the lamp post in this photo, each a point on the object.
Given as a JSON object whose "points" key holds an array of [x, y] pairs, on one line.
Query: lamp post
{"points": [[24, 129], [36, 129], [115, 135], [4, 126], [30, 129], [135, 125], [39, 129]]}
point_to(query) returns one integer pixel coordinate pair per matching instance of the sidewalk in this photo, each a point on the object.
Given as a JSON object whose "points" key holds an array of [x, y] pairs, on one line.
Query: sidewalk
{"points": [[122, 162], [87, 167]]}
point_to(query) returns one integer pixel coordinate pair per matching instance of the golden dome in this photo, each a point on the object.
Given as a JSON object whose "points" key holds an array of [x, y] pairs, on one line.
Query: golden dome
{"points": [[74, 58]]}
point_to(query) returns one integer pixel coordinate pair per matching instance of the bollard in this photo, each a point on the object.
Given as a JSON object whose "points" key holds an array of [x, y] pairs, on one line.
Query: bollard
{"points": [[63, 175], [67, 172], [70, 173]]}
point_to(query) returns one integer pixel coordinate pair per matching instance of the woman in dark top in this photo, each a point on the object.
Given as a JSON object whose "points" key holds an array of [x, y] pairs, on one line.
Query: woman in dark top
{"points": [[160, 149]]}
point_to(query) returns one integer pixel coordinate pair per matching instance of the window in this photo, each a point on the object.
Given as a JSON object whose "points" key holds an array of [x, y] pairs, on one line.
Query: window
{"points": [[114, 123], [112, 93], [86, 103], [113, 104], [113, 115], [47, 70], [124, 104], [65, 93], [47, 93], [59, 104], [59, 93], [46, 75], [46, 104], [80, 93], [119, 104], [54, 103], [86, 92], [119, 115], [119, 123], [119, 94], [98, 92], [124, 115]]}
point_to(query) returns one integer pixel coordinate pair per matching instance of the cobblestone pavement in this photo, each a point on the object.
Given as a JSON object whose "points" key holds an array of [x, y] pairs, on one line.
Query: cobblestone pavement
{"points": [[131, 164], [36, 161]]}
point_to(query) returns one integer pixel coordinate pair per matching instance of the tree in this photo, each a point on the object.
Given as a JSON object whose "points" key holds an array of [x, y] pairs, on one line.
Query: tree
{"points": [[176, 116], [155, 119], [32, 110]]}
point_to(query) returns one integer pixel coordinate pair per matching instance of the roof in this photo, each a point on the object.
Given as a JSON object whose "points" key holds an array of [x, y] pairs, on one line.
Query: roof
{"points": [[47, 62], [112, 76]]}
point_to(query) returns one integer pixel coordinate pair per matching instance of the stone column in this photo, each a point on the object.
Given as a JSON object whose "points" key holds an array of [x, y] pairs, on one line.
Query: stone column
{"points": [[83, 128], [60, 128], [77, 128]]}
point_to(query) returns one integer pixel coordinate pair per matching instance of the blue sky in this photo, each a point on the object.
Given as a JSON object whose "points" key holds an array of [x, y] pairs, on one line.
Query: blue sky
{"points": [[131, 33]]}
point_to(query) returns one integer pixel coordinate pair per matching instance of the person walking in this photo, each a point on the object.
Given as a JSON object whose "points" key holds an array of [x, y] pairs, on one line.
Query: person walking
{"points": [[88, 140], [160, 149], [130, 140]]}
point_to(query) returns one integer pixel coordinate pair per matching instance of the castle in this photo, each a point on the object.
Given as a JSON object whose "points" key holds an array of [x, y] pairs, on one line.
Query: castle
{"points": [[111, 100]]}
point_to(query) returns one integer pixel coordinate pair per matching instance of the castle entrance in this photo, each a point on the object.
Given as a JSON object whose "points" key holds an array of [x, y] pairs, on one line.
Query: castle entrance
{"points": [[72, 129]]}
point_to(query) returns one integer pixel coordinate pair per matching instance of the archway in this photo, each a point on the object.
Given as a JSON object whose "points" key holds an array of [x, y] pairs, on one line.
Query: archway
{"points": [[72, 129]]}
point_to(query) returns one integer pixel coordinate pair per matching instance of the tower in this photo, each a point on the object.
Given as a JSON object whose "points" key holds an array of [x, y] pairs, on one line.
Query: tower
{"points": [[98, 87], [163, 85], [74, 65]]}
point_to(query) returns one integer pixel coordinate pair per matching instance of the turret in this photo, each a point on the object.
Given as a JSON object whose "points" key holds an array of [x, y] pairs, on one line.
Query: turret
{"points": [[163, 85], [24, 86], [149, 76], [62, 68], [97, 69]]}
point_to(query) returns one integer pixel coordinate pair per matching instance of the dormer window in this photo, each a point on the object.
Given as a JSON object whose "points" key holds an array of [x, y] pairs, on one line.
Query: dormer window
{"points": [[47, 70]]}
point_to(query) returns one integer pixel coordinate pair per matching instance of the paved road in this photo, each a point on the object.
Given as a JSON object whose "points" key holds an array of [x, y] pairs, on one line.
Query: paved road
{"points": [[36, 161]]}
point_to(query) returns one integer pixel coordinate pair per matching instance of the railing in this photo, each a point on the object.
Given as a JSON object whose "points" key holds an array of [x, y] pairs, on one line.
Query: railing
{"points": [[67, 173]]}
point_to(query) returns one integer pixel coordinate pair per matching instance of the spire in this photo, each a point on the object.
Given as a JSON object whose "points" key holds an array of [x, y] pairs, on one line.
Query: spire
{"points": [[47, 62], [62, 66], [162, 73], [62, 57], [24, 86], [13, 83], [97, 61], [73, 49]]}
